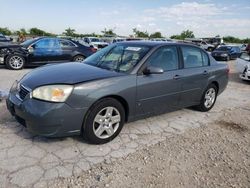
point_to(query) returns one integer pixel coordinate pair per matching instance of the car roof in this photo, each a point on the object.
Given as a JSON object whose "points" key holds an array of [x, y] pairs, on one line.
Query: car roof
{"points": [[155, 43]]}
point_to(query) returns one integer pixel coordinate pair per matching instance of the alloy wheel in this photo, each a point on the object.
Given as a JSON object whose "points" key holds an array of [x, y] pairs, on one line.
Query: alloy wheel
{"points": [[106, 122], [16, 62], [210, 97]]}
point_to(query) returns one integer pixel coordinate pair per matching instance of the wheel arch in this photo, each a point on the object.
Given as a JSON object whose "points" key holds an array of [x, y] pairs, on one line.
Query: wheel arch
{"points": [[122, 101], [216, 84]]}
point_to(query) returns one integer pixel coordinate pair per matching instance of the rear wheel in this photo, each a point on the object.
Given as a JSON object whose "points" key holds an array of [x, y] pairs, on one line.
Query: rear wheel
{"points": [[15, 62], [78, 58], [208, 98], [104, 121]]}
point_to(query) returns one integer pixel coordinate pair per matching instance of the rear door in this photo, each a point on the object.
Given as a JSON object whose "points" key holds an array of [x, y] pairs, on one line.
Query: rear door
{"points": [[157, 93], [195, 74], [68, 49]]}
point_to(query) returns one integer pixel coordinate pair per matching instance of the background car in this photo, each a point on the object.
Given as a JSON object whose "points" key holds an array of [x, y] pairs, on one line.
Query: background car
{"points": [[43, 50], [96, 42], [226, 53], [123, 82], [4, 38], [243, 66], [201, 43]]}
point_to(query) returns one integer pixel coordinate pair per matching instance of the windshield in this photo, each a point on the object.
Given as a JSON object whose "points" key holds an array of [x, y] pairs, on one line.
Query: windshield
{"points": [[119, 58], [28, 42], [95, 40]]}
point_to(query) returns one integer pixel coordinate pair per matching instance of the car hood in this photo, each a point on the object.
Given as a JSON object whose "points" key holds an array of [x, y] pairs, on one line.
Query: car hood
{"points": [[65, 73], [8, 45]]}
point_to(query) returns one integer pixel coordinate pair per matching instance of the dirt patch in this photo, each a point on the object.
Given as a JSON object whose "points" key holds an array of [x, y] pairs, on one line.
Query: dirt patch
{"points": [[232, 126]]}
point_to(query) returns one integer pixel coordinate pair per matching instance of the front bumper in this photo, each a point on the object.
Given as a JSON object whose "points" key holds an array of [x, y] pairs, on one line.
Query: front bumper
{"points": [[45, 118]]}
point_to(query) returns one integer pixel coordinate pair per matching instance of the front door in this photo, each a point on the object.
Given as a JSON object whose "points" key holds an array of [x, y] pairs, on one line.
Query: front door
{"points": [[157, 93], [46, 50]]}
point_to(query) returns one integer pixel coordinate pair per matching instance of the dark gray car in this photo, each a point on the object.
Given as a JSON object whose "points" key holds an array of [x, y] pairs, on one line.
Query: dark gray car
{"points": [[121, 83]]}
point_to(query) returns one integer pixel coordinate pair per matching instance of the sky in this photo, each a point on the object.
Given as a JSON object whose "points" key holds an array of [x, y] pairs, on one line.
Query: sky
{"points": [[206, 18]]}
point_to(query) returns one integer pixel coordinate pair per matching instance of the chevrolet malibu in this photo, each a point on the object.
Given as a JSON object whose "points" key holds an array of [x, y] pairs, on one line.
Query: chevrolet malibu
{"points": [[123, 82]]}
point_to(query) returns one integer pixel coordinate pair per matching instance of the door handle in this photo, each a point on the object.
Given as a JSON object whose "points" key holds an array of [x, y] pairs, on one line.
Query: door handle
{"points": [[176, 77], [205, 72]]}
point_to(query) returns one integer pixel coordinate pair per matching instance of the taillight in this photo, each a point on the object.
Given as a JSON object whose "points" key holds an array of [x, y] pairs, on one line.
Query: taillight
{"points": [[93, 49]]}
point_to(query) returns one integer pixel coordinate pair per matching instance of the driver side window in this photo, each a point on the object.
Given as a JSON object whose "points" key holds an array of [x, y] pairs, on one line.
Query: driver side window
{"points": [[165, 57], [47, 43]]}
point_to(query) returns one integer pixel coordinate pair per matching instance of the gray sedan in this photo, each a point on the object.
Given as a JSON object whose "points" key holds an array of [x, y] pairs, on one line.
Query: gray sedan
{"points": [[123, 82]]}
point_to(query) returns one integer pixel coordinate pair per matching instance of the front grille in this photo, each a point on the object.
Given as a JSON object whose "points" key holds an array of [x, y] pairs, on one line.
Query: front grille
{"points": [[23, 92]]}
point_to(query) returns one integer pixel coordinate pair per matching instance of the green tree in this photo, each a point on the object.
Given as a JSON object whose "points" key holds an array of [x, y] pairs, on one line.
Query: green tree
{"points": [[69, 32], [231, 39], [5, 31], [246, 41], [156, 35], [183, 35], [37, 32], [108, 32], [140, 34]]}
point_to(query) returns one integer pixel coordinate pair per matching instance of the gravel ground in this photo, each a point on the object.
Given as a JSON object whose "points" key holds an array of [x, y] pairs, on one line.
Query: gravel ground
{"points": [[214, 155]]}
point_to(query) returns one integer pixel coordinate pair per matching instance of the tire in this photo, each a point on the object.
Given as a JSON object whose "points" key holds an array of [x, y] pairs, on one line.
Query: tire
{"points": [[203, 106], [15, 62], [78, 58], [98, 127]]}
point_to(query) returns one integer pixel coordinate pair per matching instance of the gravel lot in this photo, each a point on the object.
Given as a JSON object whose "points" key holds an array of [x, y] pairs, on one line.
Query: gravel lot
{"points": [[185, 148]]}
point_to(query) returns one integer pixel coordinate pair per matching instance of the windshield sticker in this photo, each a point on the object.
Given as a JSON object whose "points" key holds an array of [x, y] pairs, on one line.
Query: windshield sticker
{"points": [[133, 49]]}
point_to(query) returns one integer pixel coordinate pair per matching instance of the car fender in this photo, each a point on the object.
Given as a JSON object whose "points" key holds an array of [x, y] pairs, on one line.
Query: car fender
{"points": [[86, 94]]}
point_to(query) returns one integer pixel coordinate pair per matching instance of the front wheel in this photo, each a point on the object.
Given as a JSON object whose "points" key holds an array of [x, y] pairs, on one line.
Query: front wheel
{"points": [[15, 62], [208, 98], [104, 121]]}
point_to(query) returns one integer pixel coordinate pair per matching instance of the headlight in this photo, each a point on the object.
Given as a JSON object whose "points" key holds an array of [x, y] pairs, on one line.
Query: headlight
{"points": [[53, 93], [224, 55]]}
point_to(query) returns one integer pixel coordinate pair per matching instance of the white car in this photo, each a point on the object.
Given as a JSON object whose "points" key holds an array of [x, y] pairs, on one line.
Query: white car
{"points": [[206, 46], [243, 66], [95, 42]]}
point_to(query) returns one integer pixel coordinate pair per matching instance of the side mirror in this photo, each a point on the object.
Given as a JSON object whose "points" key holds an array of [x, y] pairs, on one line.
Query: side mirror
{"points": [[31, 49], [153, 70]]}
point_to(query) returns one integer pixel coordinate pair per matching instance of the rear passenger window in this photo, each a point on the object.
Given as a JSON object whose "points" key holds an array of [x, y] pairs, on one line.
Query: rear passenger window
{"points": [[192, 57], [205, 59], [65, 43], [165, 57]]}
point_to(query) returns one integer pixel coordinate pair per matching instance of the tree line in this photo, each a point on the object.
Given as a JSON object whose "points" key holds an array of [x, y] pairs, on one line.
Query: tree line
{"points": [[111, 32]]}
